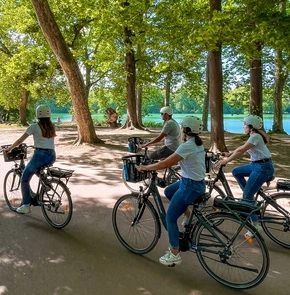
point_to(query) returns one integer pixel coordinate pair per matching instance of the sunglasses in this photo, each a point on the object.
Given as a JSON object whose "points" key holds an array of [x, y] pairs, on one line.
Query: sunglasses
{"points": [[162, 114]]}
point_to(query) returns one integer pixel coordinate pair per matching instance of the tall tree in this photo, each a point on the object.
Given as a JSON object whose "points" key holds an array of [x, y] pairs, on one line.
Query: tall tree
{"points": [[54, 37], [217, 140]]}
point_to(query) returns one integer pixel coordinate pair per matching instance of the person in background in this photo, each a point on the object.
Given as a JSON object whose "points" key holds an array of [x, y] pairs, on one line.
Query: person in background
{"points": [[43, 133], [170, 133], [190, 155], [259, 170]]}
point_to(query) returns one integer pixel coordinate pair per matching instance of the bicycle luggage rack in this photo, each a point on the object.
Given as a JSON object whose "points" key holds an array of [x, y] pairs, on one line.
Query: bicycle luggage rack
{"points": [[59, 172], [17, 153], [130, 171], [283, 184]]}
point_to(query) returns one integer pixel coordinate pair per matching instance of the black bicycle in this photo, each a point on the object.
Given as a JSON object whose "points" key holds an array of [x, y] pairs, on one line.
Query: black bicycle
{"points": [[218, 239], [52, 193], [170, 175], [274, 213]]}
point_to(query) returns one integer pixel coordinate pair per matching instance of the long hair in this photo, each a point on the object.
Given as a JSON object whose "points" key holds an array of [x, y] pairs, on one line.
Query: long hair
{"points": [[197, 139], [264, 136], [47, 127]]}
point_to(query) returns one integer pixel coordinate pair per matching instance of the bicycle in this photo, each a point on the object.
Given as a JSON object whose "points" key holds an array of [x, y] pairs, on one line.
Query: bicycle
{"points": [[217, 239], [52, 193], [171, 174], [274, 213]]}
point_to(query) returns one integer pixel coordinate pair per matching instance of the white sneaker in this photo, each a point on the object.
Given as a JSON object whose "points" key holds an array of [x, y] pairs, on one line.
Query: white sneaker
{"points": [[170, 259], [249, 234], [186, 219], [24, 209]]}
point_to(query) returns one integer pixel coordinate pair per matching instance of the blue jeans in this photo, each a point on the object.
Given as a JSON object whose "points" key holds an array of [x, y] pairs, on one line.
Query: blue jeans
{"points": [[181, 194], [40, 158], [258, 174]]}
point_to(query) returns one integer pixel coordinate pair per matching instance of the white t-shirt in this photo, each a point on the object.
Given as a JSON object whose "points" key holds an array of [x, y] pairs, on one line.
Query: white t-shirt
{"points": [[260, 150], [39, 140], [193, 163], [172, 138]]}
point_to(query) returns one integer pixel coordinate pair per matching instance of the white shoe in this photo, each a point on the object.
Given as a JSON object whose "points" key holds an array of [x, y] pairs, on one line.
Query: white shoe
{"points": [[170, 259], [186, 219], [24, 209], [249, 234]]}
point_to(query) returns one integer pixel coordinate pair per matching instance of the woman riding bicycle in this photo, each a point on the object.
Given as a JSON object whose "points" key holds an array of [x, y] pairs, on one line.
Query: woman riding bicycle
{"points": [[181, 194], [261, 167], [43, 135], [170, 133]]}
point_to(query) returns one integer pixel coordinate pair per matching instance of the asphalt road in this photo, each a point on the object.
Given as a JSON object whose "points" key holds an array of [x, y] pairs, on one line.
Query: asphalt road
{"points": [[85, 258]]}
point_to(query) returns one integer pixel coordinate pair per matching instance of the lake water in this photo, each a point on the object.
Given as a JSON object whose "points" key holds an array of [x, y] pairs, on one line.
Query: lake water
{"points": [[232, 124]]}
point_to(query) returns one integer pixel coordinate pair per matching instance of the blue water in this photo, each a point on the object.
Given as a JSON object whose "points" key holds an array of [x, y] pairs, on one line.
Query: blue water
{"points": [[232, 124]]}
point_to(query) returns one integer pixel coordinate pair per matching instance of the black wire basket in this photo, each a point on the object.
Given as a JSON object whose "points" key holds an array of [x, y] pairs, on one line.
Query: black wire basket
{"points": [[17, 153], [130, 163]]}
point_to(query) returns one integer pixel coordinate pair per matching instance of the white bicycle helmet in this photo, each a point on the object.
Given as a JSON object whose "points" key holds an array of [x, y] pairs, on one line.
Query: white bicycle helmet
{"points": [[166, 110], [43, 111], [254, 120], [191, 124]]}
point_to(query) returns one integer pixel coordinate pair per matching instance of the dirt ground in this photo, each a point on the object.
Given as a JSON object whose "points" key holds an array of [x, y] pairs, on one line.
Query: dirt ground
{"points": [[85, 258]]}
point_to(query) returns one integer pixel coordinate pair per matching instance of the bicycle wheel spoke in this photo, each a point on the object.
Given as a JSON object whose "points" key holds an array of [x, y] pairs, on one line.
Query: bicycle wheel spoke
{"points": [[137, 231], [276, 219], [56, 205], [229, 258], [12, 192]]}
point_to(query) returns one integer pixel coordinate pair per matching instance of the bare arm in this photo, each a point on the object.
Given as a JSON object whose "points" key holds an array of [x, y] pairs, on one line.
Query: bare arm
{"points": [[236, 154], [168, 162], [17, 142], [157, 139]]}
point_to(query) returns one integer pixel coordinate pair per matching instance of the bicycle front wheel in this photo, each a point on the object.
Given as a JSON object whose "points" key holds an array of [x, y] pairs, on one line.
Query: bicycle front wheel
{"points": [[227, 256], [11, 188], [136, 224], [56, 204], [275, 221]]}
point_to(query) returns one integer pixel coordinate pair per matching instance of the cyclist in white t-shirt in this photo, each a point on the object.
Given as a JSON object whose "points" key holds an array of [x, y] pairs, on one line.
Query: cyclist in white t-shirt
{"points": [[190, 155], [43, 133], [251, 177], [170, 133]]}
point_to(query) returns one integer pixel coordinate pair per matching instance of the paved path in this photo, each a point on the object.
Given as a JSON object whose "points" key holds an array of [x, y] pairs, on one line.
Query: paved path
{"points": [[85, 258]]}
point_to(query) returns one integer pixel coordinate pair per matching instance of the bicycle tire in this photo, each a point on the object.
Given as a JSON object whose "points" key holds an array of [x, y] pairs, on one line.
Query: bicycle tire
{"points": [[243, 263], [173, 175], [12, 190], [56, 204], [134, 187], [139, 237], [275, 224]]}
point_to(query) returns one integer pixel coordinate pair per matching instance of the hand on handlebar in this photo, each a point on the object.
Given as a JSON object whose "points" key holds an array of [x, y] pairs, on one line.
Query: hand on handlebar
{"points": [[221, 163]]}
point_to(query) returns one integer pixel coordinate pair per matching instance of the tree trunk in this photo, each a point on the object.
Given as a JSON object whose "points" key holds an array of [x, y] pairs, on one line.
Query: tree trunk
{"points": [[280, 80], [130, 64], [86, 130], [167, 89], [23, 107], [256, 106], [206, 99], [217, 140]]}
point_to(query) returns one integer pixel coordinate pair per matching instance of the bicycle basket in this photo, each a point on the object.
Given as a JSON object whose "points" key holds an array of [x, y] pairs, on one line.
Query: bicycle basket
{"points": [[129, 167], [133, 144], [17, 153], [283, 184], [59, 172]]}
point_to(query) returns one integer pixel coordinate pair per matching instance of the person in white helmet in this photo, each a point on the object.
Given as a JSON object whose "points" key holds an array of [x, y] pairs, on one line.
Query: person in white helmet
{"points": [[190, 155], [170, 133], [43, 133], [261, 167]]}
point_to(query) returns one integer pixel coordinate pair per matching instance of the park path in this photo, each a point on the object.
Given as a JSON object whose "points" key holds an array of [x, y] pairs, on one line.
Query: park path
{"points": [[85, 258]]}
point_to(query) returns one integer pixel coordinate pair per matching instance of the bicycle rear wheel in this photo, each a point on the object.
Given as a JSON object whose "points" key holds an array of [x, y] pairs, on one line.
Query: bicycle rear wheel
{"points": [[136, 224], [56, 204], [11, 188], [237, 262], [275, 223]]}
